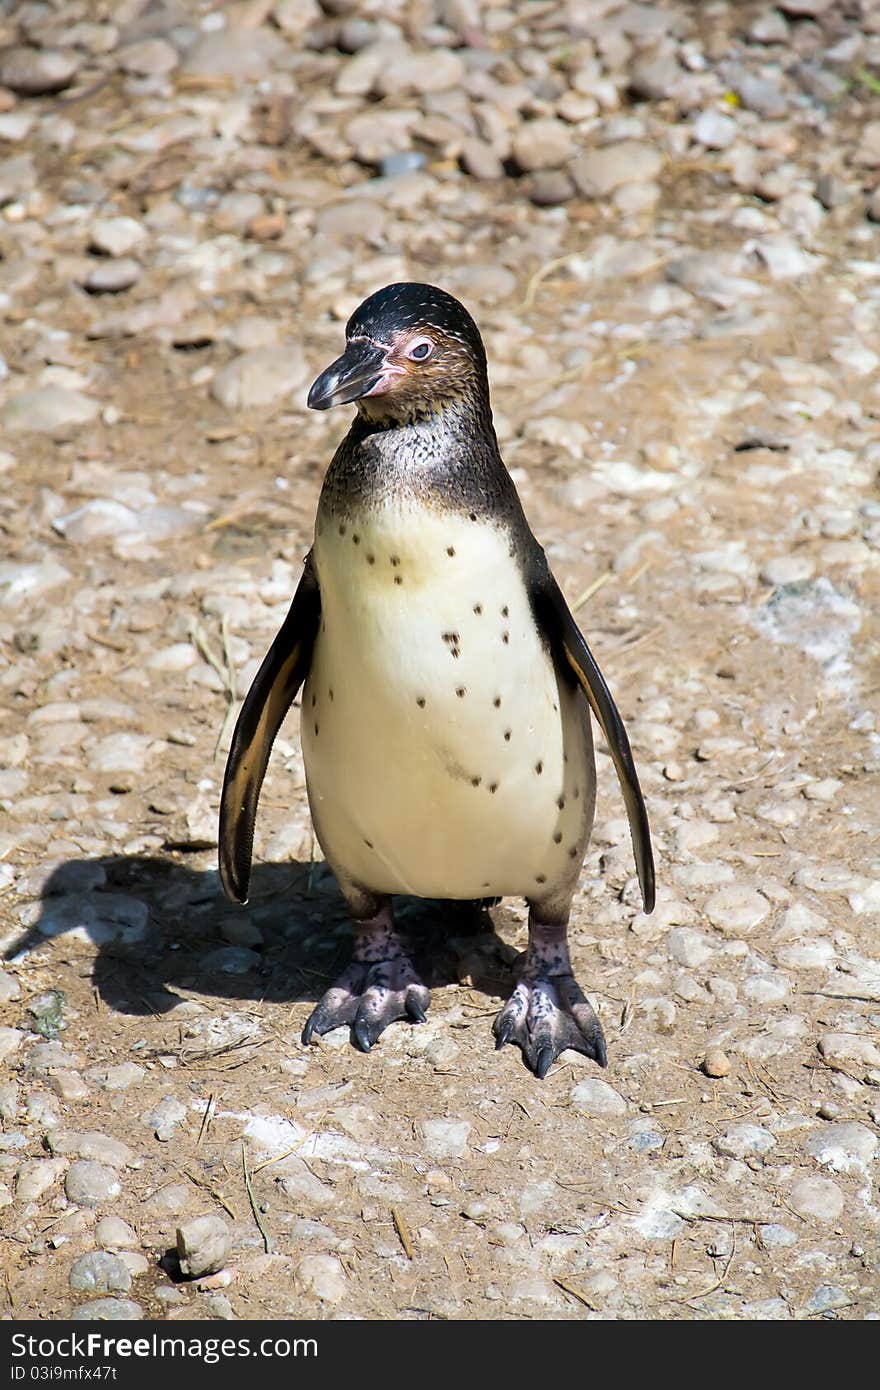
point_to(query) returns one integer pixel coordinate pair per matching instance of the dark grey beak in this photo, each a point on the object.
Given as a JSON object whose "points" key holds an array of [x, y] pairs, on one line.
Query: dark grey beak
{"points": [[351, 376]]}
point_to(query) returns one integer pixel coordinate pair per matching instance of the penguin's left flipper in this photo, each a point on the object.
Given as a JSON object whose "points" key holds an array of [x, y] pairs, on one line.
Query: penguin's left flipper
{"points": [[569, 648], [273, 691]]}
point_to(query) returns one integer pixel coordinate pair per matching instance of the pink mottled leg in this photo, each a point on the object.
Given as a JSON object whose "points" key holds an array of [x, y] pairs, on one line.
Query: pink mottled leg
{"points": [[377, 988], [547, 1011]]}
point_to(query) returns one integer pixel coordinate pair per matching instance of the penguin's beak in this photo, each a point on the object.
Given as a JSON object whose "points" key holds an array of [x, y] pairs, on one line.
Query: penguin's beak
{"points": [[362, 370]]}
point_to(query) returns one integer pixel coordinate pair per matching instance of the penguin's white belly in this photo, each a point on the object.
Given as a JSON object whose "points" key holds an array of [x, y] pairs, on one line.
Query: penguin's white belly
{"points": [[443, 756]]}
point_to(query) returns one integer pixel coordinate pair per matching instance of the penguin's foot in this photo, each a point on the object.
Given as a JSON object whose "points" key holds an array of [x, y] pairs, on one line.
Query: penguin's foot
{"points": [[548, 1011], [379, 987]]}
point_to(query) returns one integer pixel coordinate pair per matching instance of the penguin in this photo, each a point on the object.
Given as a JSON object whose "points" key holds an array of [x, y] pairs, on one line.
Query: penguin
{"points": [[447, 689]]}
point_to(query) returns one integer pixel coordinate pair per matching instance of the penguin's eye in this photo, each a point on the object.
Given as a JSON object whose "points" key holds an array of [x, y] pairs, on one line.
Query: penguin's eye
{"points": [[420, 349]]}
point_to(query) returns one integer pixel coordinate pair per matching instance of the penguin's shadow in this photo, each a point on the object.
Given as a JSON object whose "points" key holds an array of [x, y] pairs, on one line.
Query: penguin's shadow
{"points": [[162, 926]]}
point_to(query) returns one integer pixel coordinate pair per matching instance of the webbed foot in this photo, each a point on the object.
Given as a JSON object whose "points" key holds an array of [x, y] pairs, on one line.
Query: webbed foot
{"points": [[548, 1011], [379, 987]]}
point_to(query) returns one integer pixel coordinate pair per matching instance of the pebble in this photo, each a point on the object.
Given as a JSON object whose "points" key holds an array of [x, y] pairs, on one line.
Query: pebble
{"points": [[91, 1144], [817, 1199], [446, 1138], [47, 409], [36, 1176], [99, 1272], [844, 1148], [165, 1117], [90, 1184], [112, 276], [689, 948], [116, 236], [323, 1276], [597, 173], [736, 910], [542, 144], [203, 1245], [595, 1097], [35, 72], [716, 1063], [714, 130], [112, 1232], [108, 1310], [742, 1140], [257, 379]]}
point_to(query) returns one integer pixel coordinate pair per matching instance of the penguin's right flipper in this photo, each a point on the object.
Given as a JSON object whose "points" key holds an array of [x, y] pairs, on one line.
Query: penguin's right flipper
{"points": [[274, 689]]}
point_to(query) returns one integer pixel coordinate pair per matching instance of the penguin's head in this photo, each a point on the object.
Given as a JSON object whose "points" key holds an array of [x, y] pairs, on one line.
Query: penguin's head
{"points": [[410, 350]]}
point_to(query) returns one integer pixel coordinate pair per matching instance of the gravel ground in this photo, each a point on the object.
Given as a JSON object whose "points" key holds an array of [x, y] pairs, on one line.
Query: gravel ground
{"points": [[666, 219]]}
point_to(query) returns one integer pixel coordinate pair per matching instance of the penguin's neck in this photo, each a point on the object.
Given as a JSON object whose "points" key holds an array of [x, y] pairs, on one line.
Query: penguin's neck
{"points": [[448, 458]]}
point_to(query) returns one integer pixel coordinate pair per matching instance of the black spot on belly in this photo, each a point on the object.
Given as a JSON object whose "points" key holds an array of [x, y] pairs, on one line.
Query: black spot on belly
{"points": [[576, 793], [557, 838], [540, 878], [371, 559], [473, 516], [507, 735], [450, 550], [539, 768], [397, 579], [493, 787], [461, 692], [497, 702], [505, 612], [475, 781], [478, 609], [394, 560], [342, 528], [560, 802], [368, 843], [505, 637], [420, 701], [573, 852], [330, 693], [316, 730], [314, 701], [356, 540]]}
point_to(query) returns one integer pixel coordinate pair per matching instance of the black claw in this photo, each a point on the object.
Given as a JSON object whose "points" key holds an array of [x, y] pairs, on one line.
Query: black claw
{"points": [[599, 1052], [415, 1011], [544, 1060], [309, 1031], [363, 1036], [503, 1034]]}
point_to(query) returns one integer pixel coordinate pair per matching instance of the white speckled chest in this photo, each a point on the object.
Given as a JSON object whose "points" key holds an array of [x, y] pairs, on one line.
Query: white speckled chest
{"points": [[444, 758]]}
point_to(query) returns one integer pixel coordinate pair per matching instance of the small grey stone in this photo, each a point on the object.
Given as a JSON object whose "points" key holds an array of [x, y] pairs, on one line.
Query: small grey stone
{"points": [[99, 1272], [843, 1147], [402, 162], [775, 1236], [542, 144], [827, 1297], [89, 1184], [203, 1245], [112, 1232], [598, 173], [446, 1138], [232, 960], [148, 58], [656, 78], [112, 276], [688, 947], [9, 987], [91, 1144], [816, 1198], [832, 192], [259, 378], [108, 1310], [36, 1176], [323, 1276], [437, 71], [37, 71], [737, 909], [236, 52], [549, 188], [742, 1140], [480, 160], [714, 130], [593, 1096], [46, 409], [164, 1118], [116, 236]]}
